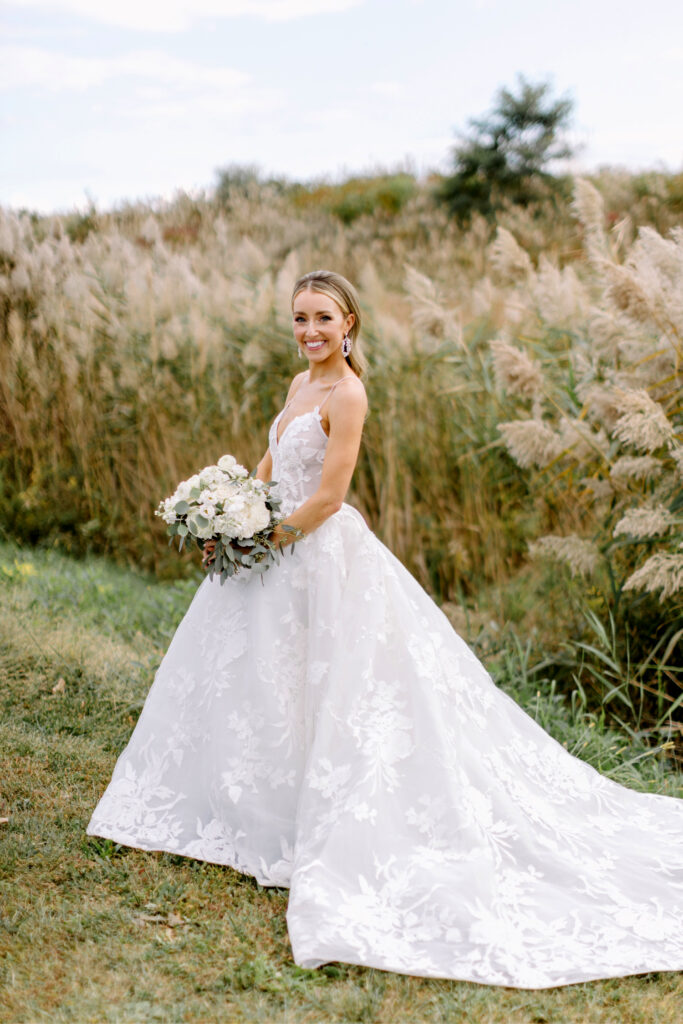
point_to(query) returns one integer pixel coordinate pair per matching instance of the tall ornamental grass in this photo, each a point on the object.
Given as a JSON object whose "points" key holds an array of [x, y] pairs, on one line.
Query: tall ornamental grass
{"points": [[143, 345], [524, 394], [595, 366]]}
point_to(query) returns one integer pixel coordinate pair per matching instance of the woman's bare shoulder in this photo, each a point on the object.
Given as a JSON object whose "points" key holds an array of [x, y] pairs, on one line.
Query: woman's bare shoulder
{"points": [[355, 386], [349, 399]]}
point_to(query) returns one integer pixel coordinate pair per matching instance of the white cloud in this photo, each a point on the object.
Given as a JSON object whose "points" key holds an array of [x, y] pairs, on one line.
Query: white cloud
{"points": [[32, 67], [141, 85], [387, 90], [178, 15]]}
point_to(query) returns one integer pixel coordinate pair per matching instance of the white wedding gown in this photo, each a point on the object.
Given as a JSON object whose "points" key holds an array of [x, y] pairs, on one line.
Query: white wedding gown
{"points": [[324, 728]]}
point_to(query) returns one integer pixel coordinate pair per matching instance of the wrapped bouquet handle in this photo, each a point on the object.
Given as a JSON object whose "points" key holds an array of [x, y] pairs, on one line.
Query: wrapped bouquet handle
{"points": [[226, 504]]}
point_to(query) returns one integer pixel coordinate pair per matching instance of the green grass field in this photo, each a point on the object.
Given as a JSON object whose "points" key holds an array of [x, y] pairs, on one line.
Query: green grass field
{"points": [[90, 931]]}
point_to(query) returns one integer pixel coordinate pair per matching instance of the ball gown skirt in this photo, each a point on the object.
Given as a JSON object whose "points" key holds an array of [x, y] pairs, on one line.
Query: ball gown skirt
{"points": [[324, 728]]}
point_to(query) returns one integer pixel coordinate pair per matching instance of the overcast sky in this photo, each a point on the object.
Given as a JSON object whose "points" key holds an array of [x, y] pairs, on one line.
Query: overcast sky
{"points": [[128, 99]]}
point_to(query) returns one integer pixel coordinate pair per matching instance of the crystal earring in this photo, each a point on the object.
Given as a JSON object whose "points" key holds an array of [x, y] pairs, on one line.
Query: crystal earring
{"points": [[346, 346], [301, 355]]}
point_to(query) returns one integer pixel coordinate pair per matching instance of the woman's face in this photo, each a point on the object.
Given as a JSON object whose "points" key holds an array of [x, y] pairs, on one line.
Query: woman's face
{"points": [[319, 325]]}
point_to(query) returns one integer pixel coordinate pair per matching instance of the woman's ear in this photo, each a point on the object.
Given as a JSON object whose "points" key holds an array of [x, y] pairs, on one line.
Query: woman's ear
{"points": [[349, 322]]}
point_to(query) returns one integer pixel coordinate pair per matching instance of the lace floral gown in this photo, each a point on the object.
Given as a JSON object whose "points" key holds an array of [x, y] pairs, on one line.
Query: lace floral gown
{"points": [[325, 729]]}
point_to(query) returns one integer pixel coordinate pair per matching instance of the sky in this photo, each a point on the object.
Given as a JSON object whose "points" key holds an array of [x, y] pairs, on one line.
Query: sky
{"points": [[108, 101]]}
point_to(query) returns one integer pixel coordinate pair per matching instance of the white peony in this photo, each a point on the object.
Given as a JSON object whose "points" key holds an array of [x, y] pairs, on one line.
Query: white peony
{"points": [[256, 517], [226, 526], [235, 505]]}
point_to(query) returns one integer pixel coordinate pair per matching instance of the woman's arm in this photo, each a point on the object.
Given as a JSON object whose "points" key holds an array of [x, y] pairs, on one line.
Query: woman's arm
{"points": [[346, 414], [264, 470]]}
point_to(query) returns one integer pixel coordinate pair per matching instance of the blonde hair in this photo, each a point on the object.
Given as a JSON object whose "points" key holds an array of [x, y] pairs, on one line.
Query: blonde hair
{"points": [[336, 287]]}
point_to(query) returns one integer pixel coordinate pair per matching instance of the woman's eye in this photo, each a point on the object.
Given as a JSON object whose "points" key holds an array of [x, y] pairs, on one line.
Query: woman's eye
{"points": [[325, 317]]}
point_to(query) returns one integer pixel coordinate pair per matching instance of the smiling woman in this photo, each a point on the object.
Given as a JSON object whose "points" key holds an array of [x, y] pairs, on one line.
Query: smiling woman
{"points": [[323, 728], [326, 317]]}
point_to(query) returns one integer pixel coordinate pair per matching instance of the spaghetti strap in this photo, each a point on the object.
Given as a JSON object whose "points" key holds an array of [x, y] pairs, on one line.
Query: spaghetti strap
{"points": [[340, 381]]}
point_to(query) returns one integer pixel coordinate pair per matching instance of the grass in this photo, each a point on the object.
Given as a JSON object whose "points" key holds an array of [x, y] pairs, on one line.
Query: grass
{"points": [[91, 931]]}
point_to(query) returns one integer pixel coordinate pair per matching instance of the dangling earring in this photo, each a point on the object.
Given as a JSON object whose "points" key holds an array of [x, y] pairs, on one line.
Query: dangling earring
{"points": [[346, 346], [301, 355]]}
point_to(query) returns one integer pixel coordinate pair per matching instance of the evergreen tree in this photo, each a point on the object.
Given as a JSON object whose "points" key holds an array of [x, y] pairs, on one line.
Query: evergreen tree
{"points": [[508, 151]]}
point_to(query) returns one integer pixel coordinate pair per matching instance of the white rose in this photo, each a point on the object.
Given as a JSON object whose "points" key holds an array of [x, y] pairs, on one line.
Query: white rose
{"points": [[168, 515], [227, 463], [207, 509], [182, 491], [210, 476]]}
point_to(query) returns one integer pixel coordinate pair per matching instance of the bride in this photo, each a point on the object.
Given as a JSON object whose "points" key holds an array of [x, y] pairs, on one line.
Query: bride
{"points": [[324, 728]]}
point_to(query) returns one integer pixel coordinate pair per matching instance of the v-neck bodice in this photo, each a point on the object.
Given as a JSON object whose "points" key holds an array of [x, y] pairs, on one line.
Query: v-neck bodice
{"points": [[298, 454], [297, 457]]}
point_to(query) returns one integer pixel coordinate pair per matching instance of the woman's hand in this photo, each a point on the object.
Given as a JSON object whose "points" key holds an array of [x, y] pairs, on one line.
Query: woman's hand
{"points": [[208, 555]]}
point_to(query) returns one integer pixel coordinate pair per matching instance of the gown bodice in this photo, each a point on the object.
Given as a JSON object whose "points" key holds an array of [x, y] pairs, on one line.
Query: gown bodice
{"points": [[297, 457]]}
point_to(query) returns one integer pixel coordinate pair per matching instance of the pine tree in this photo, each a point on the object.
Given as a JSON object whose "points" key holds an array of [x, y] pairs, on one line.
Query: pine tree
{"points": [[508, 151]]}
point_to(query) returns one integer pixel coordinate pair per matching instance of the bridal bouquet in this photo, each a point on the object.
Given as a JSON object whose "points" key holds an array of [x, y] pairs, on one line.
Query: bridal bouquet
{"points": [[226, 504]]}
